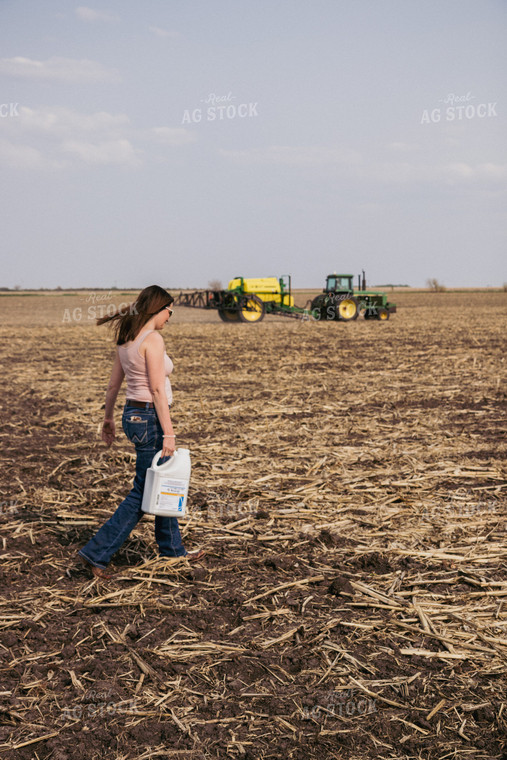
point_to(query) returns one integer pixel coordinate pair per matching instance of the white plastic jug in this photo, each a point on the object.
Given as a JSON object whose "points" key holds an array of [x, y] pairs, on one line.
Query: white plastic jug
{"points": [[166, 486]]}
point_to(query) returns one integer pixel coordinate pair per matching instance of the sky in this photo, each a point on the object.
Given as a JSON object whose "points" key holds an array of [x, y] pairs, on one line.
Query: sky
{"points": [[181, 142]]}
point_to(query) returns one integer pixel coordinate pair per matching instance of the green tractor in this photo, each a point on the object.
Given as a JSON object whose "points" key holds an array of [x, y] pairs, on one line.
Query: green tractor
{"points": [[338, 301]]}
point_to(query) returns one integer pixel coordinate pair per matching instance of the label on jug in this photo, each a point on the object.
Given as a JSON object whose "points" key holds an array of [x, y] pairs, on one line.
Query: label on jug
{"points": [[171, 494]]}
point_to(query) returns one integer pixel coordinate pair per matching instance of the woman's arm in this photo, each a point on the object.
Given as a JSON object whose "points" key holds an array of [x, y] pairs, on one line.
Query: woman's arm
{"points": [[114, 385], [154, 353]]}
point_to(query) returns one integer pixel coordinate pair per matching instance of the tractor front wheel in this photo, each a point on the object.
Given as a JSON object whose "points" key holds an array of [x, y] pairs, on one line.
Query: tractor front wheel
{"points": [[228, 315], [318, 309], [251, 309], [228, 310], [383, 314]]}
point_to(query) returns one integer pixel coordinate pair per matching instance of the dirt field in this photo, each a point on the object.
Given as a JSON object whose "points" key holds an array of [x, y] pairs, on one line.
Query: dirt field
{"points": [[349, 486]]}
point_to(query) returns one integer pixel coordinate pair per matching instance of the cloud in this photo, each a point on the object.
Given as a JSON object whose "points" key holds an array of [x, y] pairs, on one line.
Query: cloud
{"points": [[110, 152], [58, 69], [61, 137], [89, 14], [493, 171], [58, 136], [20, 156], [294, 155], [60, 122], [159, 32], [461, 171], [172, 137], [353, 167], [401, 147], [456, 173]]}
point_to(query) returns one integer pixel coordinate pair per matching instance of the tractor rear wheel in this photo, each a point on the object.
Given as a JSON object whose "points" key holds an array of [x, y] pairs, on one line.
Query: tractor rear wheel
{"points": [[348, 309], [251, 309]]}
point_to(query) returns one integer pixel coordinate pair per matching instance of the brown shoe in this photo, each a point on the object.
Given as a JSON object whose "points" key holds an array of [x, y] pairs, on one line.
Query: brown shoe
{"points": [[194, 556], [98, 572]]}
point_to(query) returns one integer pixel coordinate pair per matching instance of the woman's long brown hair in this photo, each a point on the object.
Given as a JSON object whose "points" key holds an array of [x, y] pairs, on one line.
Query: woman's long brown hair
{"points": [[128, 321]]}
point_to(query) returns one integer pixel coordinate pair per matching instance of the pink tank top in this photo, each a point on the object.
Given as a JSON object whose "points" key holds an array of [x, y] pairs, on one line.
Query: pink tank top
{"points": [[134, 366]]}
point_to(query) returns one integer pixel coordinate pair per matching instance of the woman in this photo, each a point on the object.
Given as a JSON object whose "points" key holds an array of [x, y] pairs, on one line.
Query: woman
{"points": [[146, 421]]}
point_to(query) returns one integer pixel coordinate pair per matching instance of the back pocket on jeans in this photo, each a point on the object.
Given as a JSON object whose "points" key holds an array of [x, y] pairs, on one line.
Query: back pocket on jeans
{"points": [[135, 430]]}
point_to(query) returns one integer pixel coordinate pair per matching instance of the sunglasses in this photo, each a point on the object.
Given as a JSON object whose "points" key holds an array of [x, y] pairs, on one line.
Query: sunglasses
{"points": [[171, 311]]}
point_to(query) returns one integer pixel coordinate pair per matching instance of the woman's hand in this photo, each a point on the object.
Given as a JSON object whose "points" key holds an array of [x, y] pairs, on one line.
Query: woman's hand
{"points": [[108, 432], [168, 447]]}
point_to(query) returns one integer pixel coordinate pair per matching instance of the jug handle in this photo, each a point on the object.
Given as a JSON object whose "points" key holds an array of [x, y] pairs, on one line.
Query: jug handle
{"points": [[157, 456]]}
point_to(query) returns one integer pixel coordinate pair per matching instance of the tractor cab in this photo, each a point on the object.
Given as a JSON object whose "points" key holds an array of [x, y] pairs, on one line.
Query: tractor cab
{"points": [[339, 283]]}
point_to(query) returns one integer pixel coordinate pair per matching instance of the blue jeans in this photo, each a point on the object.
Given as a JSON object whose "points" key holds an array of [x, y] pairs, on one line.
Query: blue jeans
{"points": [[141, 426]]}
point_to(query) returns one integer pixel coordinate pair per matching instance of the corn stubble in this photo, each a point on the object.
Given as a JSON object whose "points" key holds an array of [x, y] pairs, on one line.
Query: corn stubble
{"points": [[349, 487]]}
